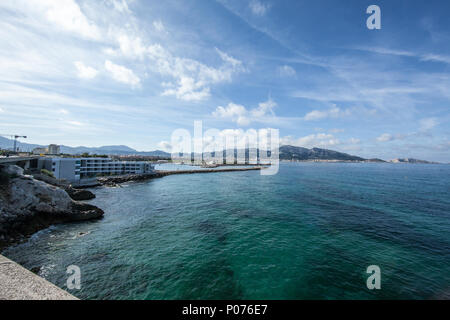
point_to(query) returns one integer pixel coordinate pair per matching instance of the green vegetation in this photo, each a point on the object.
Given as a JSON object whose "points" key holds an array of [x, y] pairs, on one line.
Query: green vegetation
{"points": [[88, 155], [4, 152], [47, 173]]}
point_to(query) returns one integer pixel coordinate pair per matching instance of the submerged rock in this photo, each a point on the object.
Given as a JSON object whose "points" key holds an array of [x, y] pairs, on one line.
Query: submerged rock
{"points": [[28, 205]]}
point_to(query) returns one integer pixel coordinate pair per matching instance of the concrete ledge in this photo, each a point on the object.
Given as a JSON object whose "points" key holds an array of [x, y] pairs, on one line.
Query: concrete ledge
{"points": [[17, 283]]}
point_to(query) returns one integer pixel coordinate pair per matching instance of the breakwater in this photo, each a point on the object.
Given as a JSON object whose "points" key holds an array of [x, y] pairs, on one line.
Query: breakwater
{"points": [[115, 180]]}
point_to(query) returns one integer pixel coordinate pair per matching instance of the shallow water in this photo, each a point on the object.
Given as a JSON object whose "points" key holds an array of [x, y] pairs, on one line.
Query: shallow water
{"points": [[308, 232]]}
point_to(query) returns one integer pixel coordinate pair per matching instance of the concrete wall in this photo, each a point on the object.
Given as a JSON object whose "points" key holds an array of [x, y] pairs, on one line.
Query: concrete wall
{"points": [[17, 283]]}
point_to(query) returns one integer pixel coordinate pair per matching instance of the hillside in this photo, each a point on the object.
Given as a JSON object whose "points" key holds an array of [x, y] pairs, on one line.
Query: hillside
{"points": [[107, 150], [299, 154], [287, 152]]}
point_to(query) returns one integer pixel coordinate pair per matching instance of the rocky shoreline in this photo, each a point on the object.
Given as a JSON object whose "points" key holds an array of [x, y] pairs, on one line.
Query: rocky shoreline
{"points": [[28, 205], [32, 203]]}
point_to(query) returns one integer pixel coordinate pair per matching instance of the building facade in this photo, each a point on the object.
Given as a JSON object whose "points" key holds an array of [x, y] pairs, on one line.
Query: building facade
{"points": [[39, 151], [75, 169], [52, 149]]}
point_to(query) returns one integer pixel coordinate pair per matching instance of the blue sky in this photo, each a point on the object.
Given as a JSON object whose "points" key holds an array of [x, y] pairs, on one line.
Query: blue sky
{"points": [[93, 73]]}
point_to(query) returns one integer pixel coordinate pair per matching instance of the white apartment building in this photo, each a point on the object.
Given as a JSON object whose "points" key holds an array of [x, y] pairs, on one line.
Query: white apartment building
{"points": [[75, 169]]}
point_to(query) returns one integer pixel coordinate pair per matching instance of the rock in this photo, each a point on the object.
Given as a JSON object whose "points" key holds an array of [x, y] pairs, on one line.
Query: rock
{"points": [[13, 170], [114, 181], [35, 270], [75, 194], [82, 234], [28, 205], [50, 180], [79, 195]]}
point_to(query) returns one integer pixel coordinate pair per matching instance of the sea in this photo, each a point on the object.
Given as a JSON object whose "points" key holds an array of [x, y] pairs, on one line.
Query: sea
{"points": [[309, 232]]}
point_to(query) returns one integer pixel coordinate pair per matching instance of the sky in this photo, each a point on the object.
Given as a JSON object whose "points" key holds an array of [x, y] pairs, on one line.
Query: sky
{"points": [[130, 72]]}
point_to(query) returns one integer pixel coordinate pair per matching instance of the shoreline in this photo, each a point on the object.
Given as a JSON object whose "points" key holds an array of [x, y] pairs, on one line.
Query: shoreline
{"points": [[41, 223]]}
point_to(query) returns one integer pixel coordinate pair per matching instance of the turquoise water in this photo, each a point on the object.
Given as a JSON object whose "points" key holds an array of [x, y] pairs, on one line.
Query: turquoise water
{"points": [[308, 232]]}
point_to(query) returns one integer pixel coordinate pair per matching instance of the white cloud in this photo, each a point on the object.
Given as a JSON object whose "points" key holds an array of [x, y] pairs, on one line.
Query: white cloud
{"points": [[85, 72], [428, 124], [235, 63], [386, 51], [336, 130], [385, 137], [165, 146], [192, 79], [75, 123], [436, 58], [286, 71], [258, 8], [264, 108], [313, 140], [65, 14], [354, 141], [422, 57], [122, 74], [235, 112], [63, 111], [242, 116], [159, 26], [120, 5], [322, 140], [131, 47], [1, 110], [188, 89], [333, 112]]}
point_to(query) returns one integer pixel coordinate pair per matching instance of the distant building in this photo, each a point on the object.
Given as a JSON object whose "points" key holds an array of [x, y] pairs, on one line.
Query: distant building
{"points": [[39, 150], [75, 169], [53, 149]]}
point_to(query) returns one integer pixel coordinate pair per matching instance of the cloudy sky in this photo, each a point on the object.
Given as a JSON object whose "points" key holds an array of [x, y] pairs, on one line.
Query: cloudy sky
{"points": [[130, 72]]}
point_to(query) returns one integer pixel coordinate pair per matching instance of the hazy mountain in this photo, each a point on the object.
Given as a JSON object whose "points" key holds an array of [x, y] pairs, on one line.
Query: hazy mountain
{"points": [[299, 153], [98, 150], [411, 160], [6, 143], [286, 152]]}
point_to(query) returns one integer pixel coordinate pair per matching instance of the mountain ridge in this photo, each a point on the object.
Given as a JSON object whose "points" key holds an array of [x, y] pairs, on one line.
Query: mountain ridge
{"points": [[286, 152]]}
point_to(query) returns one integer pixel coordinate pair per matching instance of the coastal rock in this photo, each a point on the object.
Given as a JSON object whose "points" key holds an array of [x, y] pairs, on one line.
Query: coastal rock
{"points": [[79, 195], [13, 170], [75, 194], [28, 205], [113, 181]]}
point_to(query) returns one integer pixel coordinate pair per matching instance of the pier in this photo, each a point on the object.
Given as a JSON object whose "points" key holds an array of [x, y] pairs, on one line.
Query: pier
{"points": [[114, 180]]}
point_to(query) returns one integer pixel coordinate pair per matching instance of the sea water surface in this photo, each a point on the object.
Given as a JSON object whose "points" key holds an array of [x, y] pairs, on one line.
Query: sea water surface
{"points": [[309, 232]]}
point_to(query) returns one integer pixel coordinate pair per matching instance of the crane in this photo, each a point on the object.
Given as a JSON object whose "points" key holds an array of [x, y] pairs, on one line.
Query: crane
{"points": [[15, 137]]}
